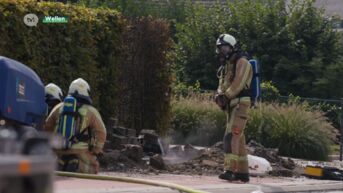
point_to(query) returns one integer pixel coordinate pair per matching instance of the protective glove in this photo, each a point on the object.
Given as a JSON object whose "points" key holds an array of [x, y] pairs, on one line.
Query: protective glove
{"points": [[222, 101]]}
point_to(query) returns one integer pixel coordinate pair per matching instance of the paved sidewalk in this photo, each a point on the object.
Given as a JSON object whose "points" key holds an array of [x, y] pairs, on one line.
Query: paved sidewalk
{"points": [[205, 183]]}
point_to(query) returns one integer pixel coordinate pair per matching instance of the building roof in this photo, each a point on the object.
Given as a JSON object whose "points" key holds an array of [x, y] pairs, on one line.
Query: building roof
{"points": [[332, 7]]}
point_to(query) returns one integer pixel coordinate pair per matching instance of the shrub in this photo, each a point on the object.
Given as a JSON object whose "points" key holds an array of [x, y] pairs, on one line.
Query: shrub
{"points": [[197, 121], [331, 108], [294, 130]]}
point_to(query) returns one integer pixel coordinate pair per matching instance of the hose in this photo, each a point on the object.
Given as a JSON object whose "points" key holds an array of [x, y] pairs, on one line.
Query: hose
{"points": [[129, 180]]}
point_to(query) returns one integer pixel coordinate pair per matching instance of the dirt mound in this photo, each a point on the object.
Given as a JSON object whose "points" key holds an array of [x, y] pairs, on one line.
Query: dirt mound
{"points": [[281, 166], [187, 160], [208, 162]]}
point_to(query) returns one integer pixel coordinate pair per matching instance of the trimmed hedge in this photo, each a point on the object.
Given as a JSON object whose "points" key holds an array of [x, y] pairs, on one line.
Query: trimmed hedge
{"points": [[88, 46]]}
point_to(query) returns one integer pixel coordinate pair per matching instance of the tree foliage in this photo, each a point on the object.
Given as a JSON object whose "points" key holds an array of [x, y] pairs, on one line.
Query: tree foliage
{"points": [[172, 10], [295, 43]]}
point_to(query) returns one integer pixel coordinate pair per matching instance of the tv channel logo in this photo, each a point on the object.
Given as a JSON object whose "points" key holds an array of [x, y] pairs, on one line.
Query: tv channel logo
{"points": [[31, 19]]}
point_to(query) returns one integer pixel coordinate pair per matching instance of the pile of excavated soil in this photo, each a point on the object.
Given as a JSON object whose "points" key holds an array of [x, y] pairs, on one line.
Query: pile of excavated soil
{"points": [[209, 161], [206, 162], [188, 160]]}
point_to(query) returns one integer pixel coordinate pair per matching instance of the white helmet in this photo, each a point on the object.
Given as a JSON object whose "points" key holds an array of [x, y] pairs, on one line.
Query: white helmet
{"points": [[79, 88], [226, 39], [53, 92]]}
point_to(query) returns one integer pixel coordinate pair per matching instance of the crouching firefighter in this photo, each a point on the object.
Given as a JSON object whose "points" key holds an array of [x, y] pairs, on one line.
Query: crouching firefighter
{"points": [[233, 96], [82, 128]]}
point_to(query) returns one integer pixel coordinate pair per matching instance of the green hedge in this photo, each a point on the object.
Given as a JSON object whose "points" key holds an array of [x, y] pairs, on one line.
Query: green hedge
{"points": [[88, 46]]}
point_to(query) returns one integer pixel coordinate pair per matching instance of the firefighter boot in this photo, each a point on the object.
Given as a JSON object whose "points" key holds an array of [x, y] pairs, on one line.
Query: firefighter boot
{"points": [[228, 175], [244, 177]]}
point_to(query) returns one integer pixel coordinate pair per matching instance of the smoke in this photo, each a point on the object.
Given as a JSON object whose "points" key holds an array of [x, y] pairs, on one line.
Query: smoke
{"points": [[179, 154], [206, 133]]}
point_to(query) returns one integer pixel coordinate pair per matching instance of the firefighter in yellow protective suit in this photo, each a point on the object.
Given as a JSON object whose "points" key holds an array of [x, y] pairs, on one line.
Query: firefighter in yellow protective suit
{"points": [[233, 97], [91, 132]]}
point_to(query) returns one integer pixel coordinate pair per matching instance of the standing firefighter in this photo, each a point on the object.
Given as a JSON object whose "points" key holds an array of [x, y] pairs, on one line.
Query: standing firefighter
{"points": [[233, 97], [82, 128]]}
